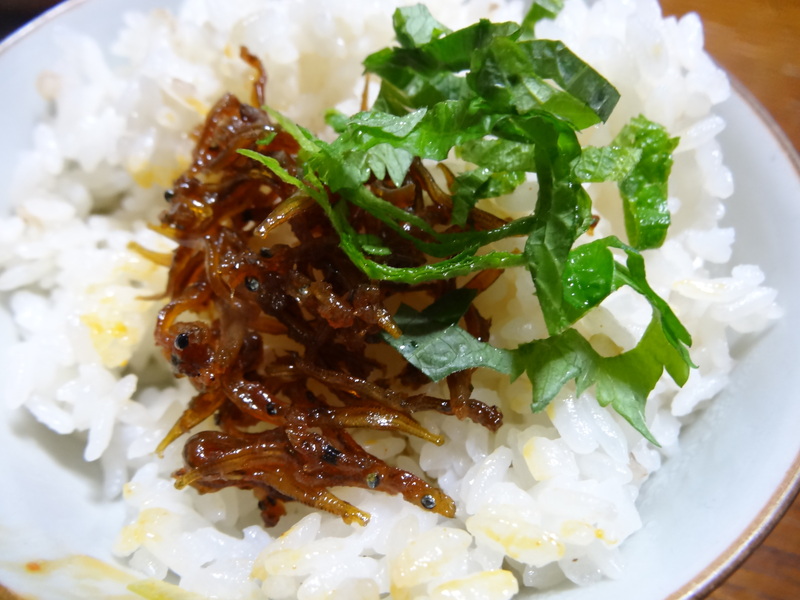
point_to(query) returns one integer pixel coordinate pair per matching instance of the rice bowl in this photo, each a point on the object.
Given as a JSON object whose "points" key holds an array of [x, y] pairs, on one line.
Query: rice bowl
{"points": [[654, 484]]}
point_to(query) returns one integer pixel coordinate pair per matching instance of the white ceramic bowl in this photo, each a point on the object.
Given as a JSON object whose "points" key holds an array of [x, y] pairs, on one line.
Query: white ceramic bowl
{"points": [[703, 511]]}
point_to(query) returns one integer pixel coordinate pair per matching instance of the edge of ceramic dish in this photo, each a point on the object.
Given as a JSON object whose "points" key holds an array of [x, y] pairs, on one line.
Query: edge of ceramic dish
{"points": [[9, 41], [29, 27], [713, 575]]}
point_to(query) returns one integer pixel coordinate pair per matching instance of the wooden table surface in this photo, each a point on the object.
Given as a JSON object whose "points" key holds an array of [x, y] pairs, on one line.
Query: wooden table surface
{"points": [[758, 42]]}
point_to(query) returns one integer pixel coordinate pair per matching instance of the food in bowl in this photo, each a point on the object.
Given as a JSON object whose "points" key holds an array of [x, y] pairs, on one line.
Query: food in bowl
{"points": [[548, 496]]}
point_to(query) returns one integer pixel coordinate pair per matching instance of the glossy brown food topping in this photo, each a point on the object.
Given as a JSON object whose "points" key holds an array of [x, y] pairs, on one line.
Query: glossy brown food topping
{"points": [[281, 334]]}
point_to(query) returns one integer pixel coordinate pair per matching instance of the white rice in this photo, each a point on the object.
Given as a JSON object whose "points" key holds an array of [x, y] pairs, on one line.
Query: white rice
{"points": [[548, 498]]}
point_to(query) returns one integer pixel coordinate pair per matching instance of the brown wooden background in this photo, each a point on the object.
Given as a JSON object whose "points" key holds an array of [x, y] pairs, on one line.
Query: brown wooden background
{"points": [[758, 42]]}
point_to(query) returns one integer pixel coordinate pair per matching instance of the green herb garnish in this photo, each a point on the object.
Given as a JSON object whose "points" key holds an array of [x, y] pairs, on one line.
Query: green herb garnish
{"points": [[511, 105]]}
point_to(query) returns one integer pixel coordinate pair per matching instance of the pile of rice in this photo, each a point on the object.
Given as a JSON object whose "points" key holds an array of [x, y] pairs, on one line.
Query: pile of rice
{"points": [[546, 499]]}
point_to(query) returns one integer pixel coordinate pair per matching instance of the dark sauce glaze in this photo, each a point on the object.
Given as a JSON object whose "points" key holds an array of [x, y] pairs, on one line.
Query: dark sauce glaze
{"points": [[283, 412]]}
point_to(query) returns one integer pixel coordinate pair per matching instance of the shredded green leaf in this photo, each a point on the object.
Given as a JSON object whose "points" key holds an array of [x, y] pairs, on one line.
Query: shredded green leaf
{"points": [[609, 163], [644, 190], [414, 25], [623, 381], [434, 343], [511, 106], [541, 9]]}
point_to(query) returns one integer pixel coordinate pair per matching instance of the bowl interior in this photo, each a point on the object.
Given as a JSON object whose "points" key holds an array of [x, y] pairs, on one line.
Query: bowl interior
{"points": [[738, 461]]}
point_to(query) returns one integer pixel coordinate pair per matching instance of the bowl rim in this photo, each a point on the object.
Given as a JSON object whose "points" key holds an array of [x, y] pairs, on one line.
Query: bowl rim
{"points": [[37, 22], [732, 557]]}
